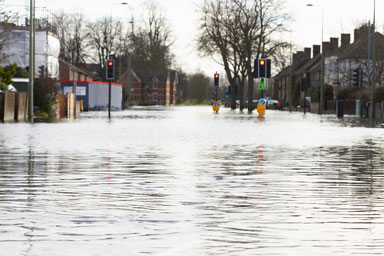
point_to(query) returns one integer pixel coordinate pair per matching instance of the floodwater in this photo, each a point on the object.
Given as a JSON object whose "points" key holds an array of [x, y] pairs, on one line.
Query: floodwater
{"points": [[185, 181]]}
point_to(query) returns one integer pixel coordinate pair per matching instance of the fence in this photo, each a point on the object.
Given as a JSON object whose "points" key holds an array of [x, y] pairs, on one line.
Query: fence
{"points": [[351, 107], [13, 107]]}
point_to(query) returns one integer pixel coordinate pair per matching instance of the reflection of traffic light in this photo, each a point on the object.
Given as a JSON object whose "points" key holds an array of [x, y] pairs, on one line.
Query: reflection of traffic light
{"points": [[216, 78], [227, 94], [356, 77], [110, 69]]}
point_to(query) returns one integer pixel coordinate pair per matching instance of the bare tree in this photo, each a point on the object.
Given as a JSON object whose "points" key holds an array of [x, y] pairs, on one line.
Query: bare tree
{"points": [[150, 43], [71, 31], [104, 39], [239, 31]]}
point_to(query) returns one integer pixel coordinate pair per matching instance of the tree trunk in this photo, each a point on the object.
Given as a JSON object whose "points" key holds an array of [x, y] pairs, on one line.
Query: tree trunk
{"points": [[250, 93], [233, 96], [241, 95]]}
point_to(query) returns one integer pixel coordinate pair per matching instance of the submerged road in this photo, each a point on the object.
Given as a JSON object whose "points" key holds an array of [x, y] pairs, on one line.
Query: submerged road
{"points": [[182, 180]]}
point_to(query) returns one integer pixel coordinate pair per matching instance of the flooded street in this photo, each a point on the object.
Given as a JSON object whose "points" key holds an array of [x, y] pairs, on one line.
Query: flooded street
{"points": [[185, 181]]}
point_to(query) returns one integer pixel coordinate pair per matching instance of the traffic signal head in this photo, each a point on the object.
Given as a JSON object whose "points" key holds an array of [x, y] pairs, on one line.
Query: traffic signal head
{"points": [[110, 70], [216, 79], [262, 68], [356, 77]]}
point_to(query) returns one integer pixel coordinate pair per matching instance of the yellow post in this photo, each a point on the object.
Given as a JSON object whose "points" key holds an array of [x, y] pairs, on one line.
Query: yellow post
{"points": [[261, 107], [216, 106]]}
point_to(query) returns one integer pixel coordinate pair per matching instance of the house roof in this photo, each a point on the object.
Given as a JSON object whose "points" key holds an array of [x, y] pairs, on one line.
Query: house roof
{"points": [[91, 68], [309, 64], [292, 69], [358, 49], [80, 68], [133, 73], [174, 77]]}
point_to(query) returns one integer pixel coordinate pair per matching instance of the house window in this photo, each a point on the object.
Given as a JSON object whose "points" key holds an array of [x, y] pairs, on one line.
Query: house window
{"points": [[155, 84], [154, 97]]}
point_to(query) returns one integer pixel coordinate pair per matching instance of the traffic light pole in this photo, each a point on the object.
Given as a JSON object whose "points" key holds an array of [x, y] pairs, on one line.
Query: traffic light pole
{"points": [[109, 99], [216, 93], [31, 59]]}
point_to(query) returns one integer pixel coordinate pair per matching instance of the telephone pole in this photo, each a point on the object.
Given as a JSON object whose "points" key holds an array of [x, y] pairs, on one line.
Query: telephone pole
{"points": [[31, 57]]}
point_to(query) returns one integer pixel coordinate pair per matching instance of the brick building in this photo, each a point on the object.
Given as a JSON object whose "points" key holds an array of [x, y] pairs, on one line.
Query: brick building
{"points": [[68, 71], [339, 63], [290, 81], [158, 88]]}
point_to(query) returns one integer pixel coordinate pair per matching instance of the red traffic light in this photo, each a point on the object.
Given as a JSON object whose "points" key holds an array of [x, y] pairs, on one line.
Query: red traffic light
{"points": [[261, 62], [216, 75], [110, 63], [214, 93]]}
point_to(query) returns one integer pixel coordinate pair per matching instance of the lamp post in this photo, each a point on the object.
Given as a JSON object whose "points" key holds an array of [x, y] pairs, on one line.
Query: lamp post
{"points": [[322, 58], [31, 58], [373, 62], [110, 15]]}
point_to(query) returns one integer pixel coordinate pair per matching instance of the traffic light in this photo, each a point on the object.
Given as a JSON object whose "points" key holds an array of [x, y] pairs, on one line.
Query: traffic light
{"points": [[110, 70], [268, 68], [216, 78], [356, 77], [262, 68], [41, 71]]}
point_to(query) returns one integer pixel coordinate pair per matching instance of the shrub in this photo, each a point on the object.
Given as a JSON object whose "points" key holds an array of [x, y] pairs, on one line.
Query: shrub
{"points": [[3, 86], [44, 92]]}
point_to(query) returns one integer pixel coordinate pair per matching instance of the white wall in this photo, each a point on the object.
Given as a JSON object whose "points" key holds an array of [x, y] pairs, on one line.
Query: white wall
{"points": [[47, 48]]}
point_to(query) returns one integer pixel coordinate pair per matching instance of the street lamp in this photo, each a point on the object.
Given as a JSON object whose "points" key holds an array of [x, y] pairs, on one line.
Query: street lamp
{"points": [[110, 15], [322, 57], [31, 58]]}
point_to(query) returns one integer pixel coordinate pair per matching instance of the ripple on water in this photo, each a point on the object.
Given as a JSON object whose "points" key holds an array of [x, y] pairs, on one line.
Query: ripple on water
{"points": [[184, 181]]}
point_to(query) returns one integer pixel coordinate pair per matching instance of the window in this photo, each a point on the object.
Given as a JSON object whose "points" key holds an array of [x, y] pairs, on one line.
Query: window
{"points": [[154, 97], [155, 84]]}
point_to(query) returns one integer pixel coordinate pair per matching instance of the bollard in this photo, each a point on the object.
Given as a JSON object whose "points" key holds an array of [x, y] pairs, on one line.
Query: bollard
{"points": [[340, 109], [358, 108], [216, 106], [261, 106]]}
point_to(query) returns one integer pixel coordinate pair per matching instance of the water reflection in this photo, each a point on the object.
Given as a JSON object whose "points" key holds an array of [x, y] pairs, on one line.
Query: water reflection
{"points": [[185, 181]]}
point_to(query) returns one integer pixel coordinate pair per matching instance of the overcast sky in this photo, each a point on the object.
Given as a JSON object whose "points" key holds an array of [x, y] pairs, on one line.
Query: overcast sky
{"points": [[340, 16]]}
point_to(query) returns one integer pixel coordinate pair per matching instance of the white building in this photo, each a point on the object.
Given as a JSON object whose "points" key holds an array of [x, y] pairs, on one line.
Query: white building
{"points": [[47, 49], [340, 62]]}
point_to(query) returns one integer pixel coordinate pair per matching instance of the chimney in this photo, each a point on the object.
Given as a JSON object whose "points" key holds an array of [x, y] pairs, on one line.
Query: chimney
{"points": [[334, 43], [362, 32], [307, 52], [294, 58], [345, 40], [316, 50], [326, 48], [297, 56]]}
